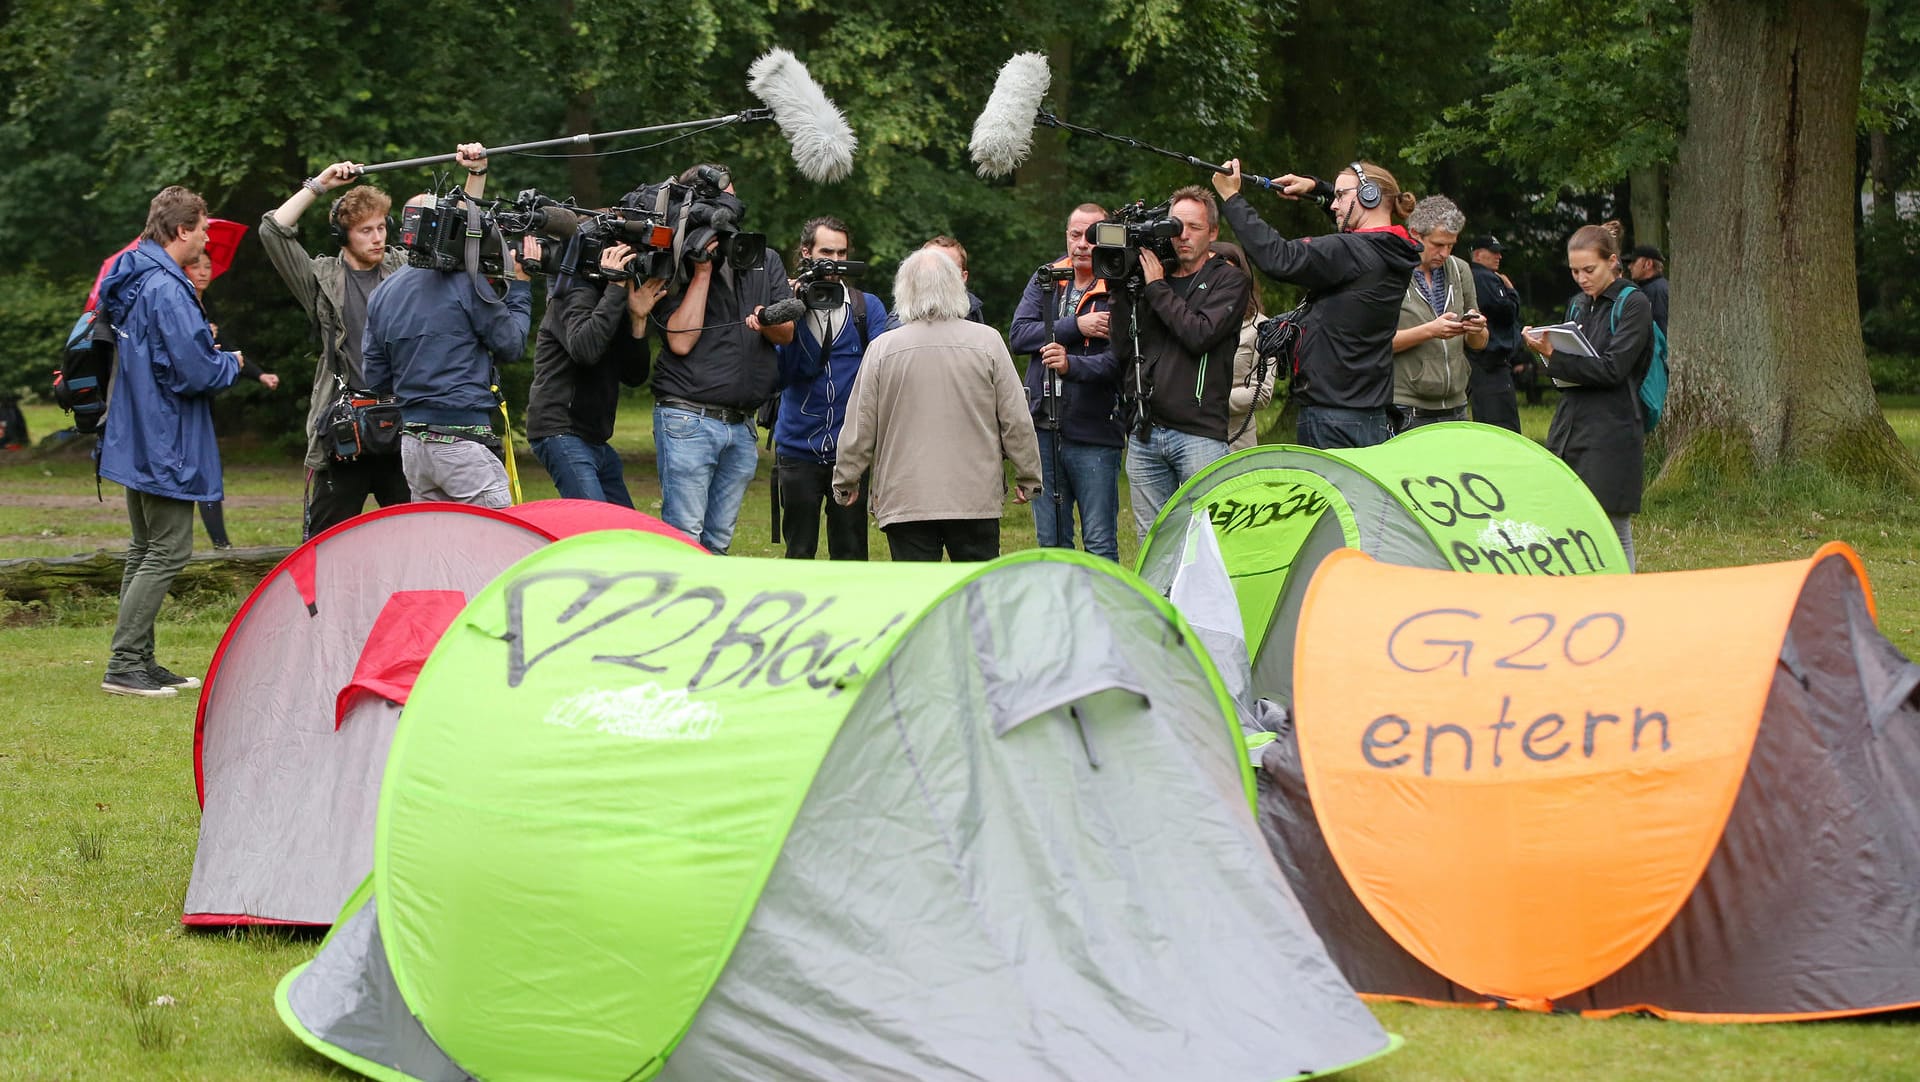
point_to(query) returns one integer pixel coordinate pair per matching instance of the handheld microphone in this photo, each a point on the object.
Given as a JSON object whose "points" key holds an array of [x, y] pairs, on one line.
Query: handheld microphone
{"points": [[1003, 133], [782, 312], [823, 144]]}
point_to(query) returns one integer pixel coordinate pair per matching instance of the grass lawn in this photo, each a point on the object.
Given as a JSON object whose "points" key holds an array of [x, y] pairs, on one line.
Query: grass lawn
{"points": [[98, 820]]}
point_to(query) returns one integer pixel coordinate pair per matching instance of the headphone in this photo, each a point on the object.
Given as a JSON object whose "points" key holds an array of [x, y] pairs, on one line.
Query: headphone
{"points": [[1367, 193], [339, 232]]}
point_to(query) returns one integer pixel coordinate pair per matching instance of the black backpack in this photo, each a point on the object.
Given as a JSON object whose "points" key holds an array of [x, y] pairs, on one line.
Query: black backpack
{"points": [[85, 377]]}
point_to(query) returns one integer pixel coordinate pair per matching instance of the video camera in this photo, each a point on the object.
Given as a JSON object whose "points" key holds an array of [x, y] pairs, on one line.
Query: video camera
{"points": [[695, 214], [436, 237], [817, 284], [1117, 240]]}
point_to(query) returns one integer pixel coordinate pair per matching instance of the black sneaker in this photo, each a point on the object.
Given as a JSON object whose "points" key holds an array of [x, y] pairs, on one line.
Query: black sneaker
{"points": [[167, 678], [135, 683]]}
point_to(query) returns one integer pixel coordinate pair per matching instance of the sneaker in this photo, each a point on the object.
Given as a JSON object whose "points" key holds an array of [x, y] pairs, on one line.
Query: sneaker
{"points": [[135, 683], [167, 678]]}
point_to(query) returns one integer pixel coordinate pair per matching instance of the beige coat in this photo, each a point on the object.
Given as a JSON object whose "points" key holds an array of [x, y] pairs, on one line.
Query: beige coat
{"points": [[936, 407], [1245, 398]]}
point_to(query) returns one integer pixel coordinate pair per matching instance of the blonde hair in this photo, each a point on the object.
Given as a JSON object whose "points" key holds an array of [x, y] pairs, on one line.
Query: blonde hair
{"points": [[1398, 203]]}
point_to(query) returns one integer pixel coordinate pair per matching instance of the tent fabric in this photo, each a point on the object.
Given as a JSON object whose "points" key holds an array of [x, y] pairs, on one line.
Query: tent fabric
{"points": [[1464, 496], [1693, 794], [403, 635], [744, 819], [287, 760]]}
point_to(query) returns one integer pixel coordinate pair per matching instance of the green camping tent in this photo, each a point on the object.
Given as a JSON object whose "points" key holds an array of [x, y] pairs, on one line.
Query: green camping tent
{"points": [[654, 814], [1464, 496]]}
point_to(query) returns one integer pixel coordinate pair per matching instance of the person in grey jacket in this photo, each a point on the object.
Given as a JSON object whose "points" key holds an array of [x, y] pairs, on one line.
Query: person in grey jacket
{"points": [[333, 290], [936, 407], [1439, 322]]}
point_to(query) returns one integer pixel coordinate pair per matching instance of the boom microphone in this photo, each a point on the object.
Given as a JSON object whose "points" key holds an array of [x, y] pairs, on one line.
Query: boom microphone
{"points": [[1003, 134], [823, 144], [782, 312]]}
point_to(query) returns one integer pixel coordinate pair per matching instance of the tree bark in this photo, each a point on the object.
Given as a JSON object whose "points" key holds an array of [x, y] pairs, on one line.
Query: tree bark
{"points": [[1649, 205], [1767, 364]]}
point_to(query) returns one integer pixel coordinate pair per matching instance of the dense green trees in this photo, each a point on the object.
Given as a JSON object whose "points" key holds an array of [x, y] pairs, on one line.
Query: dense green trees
{"points": [[1535, 116]]}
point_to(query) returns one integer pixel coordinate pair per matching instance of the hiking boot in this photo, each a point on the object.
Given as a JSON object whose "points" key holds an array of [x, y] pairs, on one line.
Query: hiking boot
{"points": [[167, 678], [138, 683]]}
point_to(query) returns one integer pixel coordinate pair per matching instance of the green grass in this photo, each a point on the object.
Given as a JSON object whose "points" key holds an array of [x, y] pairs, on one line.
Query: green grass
{"points": [[98, 820]]}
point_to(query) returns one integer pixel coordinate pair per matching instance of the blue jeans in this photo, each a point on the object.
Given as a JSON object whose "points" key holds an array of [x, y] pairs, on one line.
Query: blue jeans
{"points": [[1091, 479], [1158, 467], [583, 470], [705, 465], [1335, 426]]}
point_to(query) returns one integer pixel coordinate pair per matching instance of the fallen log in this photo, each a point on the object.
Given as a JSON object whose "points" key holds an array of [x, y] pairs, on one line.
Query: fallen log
{"points": [[36, 578]]}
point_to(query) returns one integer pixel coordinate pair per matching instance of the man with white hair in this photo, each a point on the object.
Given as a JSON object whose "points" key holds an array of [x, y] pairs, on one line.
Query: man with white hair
{"points": [[1430, 368], [936, 407]]}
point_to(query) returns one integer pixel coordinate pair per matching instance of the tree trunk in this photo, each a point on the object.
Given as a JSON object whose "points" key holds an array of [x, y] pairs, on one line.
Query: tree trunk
{"points": [[1767, 363], [1649, 205], [235, 571], [1045, 171]]}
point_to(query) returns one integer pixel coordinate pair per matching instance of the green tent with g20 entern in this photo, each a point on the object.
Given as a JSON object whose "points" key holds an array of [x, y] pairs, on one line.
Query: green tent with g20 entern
{"points": [[651, 814]]}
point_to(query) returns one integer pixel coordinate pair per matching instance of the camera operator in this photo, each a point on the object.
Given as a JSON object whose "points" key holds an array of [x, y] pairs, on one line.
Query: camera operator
{"points": [[1072, 354], [592, 340], [816, 381], [1431, 370], [1188, 319], [1355, 279], [333, 290], [432, 342], [718, 367]]}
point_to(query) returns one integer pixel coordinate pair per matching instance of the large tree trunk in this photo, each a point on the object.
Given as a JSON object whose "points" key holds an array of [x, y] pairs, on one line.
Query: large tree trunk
{"points": [[1768, 366]]}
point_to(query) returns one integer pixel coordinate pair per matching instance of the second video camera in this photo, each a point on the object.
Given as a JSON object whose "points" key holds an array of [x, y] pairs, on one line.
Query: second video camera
{"points": [[817, 281], [1118, 240]]}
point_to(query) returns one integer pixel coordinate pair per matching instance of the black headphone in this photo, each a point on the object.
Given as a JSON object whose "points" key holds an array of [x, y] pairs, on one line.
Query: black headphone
{"points": [[1366, 192]]}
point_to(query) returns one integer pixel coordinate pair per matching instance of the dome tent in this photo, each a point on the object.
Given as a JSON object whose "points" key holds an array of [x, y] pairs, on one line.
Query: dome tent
{"points": [[1464, 496], [656, 815], [304, 691], [1693, 794]]}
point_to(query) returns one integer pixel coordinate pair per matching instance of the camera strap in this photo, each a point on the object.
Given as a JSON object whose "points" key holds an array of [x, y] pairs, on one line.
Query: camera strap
{"points": [[476, 234]]}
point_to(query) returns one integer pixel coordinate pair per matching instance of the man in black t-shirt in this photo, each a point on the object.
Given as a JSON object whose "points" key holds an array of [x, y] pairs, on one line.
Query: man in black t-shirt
{"points": [[717, 368]]}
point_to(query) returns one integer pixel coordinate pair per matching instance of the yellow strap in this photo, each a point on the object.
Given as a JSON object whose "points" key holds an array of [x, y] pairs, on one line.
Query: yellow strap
{"points": [[506, 443]]}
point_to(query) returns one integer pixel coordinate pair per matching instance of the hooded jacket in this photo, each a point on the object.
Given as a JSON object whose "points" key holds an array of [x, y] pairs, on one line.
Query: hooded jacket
{"points": [[1356, 281], [159, 432], [1087, 388]]}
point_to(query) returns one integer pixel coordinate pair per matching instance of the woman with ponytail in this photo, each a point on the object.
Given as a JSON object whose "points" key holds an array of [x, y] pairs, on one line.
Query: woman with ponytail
{"points": [[1355, 279], [1598, 428]]}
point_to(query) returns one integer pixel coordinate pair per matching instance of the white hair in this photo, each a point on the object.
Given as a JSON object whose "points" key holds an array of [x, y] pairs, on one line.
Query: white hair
{"points": [[1436, 212], [928, 287]]}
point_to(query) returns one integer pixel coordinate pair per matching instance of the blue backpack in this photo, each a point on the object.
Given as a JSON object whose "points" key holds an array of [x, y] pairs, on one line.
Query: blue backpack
{"points": [[1653, 386]]}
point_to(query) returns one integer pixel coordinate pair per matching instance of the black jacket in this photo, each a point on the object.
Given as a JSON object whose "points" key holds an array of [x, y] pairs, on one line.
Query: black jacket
{"points": [[1501, 305], [1356, 281], [584, 351], [1656, 290], [1598, 428], [1087, 389], [1186, 346]]}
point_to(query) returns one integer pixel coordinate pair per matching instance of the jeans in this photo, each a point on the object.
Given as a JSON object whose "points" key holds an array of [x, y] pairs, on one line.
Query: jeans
{"points": [[583, 470], [162, 541], [966, 540], [705, 465], [804, 486], [1158, 467], [1091, 479], [1410, 420], [1327, 427]]}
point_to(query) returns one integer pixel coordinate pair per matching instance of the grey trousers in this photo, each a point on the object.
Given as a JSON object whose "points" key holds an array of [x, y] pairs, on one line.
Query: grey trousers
{"points": [[459, 472], [162, 541]]}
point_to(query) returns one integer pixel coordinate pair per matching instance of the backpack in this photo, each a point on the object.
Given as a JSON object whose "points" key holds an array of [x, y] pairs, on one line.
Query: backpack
{"points": [[85, 377], [1653, 385]]}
